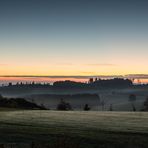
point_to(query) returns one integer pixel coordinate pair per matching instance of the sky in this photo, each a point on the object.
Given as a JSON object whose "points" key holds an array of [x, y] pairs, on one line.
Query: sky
{"points": [[73, 37]]}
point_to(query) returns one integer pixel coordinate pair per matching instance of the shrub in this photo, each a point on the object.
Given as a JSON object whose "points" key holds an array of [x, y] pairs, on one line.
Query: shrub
{"points": [[64, 106]]}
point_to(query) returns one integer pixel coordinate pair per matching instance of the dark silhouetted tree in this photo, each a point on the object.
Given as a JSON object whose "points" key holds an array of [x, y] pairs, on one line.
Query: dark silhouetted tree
{"points": [[132, 100], [10, 84], [111, 107], [64, 106], [86, 107]]}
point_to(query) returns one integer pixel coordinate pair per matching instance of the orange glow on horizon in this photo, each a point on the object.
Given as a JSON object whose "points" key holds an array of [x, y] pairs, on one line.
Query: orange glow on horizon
{"points": [[6, 80]]}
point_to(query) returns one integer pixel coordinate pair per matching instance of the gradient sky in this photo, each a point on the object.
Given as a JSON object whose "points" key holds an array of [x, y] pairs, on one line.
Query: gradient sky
{"points": [[73, 37]]}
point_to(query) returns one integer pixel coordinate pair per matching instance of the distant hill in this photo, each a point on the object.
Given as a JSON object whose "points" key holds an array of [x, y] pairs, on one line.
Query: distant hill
{"points": [[18, 103], [111, 83], [64, 87]]}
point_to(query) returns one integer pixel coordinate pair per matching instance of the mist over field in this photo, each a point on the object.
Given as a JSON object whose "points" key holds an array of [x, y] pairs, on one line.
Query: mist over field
{"points": [[99, 97]]}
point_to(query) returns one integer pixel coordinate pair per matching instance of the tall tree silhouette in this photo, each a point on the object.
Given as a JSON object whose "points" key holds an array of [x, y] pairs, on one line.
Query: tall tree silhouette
{"points": [[132, 100]]}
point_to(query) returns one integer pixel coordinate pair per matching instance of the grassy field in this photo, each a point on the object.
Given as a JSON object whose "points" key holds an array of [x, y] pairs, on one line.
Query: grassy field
{"points": [[87, 129]]}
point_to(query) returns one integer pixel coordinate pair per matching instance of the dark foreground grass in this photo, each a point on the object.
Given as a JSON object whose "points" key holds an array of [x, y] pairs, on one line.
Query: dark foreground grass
{"points": [[74, 129], [104, 140]]}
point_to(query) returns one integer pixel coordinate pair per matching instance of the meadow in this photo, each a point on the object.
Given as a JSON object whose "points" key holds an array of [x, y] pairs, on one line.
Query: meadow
{"points": [[86, 129]]}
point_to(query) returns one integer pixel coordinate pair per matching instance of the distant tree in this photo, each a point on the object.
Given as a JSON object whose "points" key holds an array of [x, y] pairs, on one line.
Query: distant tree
{"points": [[64, 106], [111, 107], [96, 79], [91, 80], [86, 107], [146, 104], [132, 100], [10, 84]]}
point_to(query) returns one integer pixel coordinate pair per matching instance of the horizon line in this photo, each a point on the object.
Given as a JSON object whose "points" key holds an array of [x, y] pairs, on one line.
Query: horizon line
{"points": [[136, 76]]}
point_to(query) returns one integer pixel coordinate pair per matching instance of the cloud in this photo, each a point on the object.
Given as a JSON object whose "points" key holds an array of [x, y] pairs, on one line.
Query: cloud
{"points": [[65, 64], [3, 64], [137, 76], [88, 72], [101, 64]]}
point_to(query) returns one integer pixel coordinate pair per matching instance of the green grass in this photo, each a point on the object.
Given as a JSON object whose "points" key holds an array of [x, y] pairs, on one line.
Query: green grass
{"points": [[89, 129]]}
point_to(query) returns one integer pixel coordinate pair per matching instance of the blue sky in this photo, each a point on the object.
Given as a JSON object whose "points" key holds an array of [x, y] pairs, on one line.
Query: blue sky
{"points": [[73, 37]]}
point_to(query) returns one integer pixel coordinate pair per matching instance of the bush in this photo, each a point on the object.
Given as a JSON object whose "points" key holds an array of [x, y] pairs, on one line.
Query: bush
{"points": [[64, 106], [86, 107]]}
